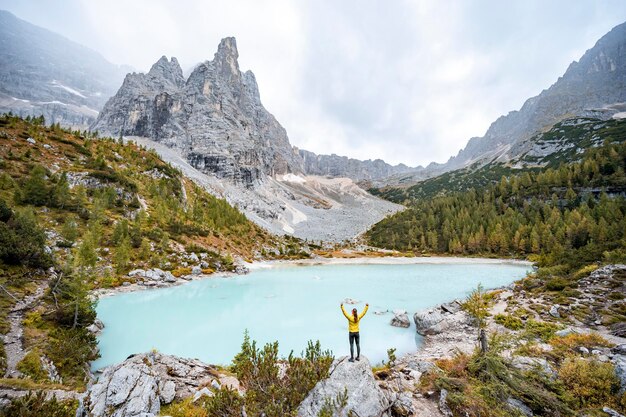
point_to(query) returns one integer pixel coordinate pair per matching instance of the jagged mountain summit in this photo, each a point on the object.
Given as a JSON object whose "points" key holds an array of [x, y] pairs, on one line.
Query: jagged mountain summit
{"points": [[214, 127], [595, 87], [214, 118], [43, 73]]}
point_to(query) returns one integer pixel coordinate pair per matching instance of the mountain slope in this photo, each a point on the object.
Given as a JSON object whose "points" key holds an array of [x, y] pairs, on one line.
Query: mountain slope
{"points": [[43, 73], [595, 86]]}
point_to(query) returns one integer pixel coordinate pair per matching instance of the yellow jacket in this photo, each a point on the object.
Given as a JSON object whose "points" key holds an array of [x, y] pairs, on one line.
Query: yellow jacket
{"points": [[353, 326]]}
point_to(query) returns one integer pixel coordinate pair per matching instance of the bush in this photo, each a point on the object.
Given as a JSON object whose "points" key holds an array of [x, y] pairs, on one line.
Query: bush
{"points": [[589, 383], [36, 405], [267, 392], [509, 321], [557, 284], [30, 365], [186, 408], [71, 350], [179, 272], [22, 241], [540, 330], [566, 344]]}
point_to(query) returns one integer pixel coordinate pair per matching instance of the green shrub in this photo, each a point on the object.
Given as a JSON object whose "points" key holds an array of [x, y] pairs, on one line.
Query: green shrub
{"points": [[266, 392], [22, 241], [30, 365], [509, 321], [540, 329], [557, 284], [36, 405], [589, 383]]}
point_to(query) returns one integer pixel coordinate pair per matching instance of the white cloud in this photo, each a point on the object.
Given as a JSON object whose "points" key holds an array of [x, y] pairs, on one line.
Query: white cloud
{"points": [[405, 81]]}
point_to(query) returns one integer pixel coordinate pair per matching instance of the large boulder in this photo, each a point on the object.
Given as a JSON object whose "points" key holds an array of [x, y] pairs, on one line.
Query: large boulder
{"points": [[619, 361], [429, 322], [142, 383], [400, 319], [356, 381]]}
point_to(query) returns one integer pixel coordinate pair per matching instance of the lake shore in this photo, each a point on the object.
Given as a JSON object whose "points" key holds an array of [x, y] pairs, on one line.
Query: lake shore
{"points": [[258, 265]]}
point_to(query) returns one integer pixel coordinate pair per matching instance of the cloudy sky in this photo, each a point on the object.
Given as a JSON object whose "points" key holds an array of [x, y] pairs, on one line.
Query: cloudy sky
{"points": [[405, 81]]}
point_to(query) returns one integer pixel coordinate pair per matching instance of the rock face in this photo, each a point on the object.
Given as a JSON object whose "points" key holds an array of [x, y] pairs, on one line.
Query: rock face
{"points": [[215, 117], [341, 166], [364, 397], [400, 319], [142, 383], [43, 73]]}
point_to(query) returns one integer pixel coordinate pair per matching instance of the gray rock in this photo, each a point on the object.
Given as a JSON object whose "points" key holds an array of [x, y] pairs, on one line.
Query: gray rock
{"points": [[196, 270], [611, 412], [429, 322], [526, 363], [204, 392], [365, 398], [583, 350], [520, 407], [143, 382], [167, 391], [452, 307], [403, 405], [193, 257], [619, 349], [554, 311], [619, 362], [31, 141], [169, 277], [401, 319], [443, 403], [564, 332]]}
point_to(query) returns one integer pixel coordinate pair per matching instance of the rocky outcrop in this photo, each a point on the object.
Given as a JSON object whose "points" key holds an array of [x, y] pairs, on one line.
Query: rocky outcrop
{"points": [[43, 73], [214, 118], [350, 389], [142, 383], [429, 322]]}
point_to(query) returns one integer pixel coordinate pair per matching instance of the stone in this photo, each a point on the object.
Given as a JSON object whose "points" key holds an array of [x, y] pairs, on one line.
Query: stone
{"points": [[193, 257], [204, 264], [554, 311], [167, 391], [519, 406], [142, 383], [196, 270], [350, 301], [619, 349], [137, 272], [429, 322], [401, 320], [611, 412], [403, 405], [564, 332], [364, 397], [169, 277], [526, 363], [31, 141], [583, 350], [204, 392], [452, 307], [443, 403], [619, 361]]}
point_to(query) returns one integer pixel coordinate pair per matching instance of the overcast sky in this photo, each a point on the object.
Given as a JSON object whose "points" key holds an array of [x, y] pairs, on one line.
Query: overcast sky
{"points": [[405, 81]]}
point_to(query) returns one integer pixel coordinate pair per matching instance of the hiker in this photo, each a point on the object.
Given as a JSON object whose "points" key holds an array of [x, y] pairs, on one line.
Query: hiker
{"points": [[353, 329]]}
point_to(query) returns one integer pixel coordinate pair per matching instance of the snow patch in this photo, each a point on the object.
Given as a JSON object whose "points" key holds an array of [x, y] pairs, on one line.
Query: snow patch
{"points": [[57, 84], [293, 178]]}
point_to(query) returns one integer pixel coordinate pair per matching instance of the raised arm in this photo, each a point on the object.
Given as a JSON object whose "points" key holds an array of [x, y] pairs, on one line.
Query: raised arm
{"points": [[364, 311], [345, 313]]}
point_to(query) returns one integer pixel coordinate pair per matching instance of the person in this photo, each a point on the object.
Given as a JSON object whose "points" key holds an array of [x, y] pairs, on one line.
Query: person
{"points": [[353, 330]]}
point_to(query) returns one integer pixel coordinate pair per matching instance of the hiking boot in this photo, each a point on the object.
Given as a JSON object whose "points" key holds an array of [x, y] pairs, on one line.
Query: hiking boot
{"points": [[358, 358], [351, 360]]}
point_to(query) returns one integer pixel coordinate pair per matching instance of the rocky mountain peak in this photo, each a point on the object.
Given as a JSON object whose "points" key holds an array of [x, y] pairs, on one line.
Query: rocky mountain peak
{"points": [[226, 58], [168, 70]]}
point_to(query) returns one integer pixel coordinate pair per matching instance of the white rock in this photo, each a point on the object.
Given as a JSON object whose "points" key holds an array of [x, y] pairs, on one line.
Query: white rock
{"points": [[201, 393], [365, 398], [196, 270], [429, 322]]}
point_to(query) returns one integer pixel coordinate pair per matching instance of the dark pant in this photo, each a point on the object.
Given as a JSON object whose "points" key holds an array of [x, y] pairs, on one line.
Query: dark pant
{"points": [[354, 337]]}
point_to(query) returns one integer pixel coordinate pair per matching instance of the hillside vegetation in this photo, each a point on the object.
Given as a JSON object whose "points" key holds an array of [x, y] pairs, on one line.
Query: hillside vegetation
{"points": [[573, 214], [563, 143]]}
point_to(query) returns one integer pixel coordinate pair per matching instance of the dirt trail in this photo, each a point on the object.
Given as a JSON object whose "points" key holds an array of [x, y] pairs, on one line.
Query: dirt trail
{"points": [[13, 343]]}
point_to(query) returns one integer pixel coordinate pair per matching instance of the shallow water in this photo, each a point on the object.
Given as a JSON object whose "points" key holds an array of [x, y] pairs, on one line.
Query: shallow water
{"points": [[206, 319]]}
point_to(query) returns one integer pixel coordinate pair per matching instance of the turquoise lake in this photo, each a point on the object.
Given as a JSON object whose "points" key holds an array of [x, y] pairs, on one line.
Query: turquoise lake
{"points": [[206, 319]]}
